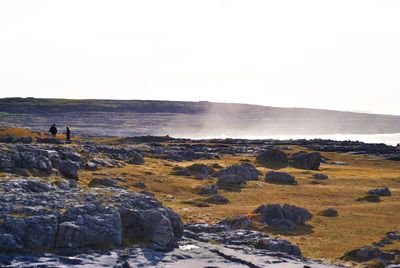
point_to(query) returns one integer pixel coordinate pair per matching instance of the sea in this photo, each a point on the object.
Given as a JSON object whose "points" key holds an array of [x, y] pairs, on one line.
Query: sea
{"points": [[389, 139]]}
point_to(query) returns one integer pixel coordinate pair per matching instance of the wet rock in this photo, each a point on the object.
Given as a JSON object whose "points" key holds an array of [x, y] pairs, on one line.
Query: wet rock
{"points": [[320, 176], [69, 169], [340, 163], [222, 234], [273, 158], [304, 160], [329, 212], [283, 217], [237, 222], [380, 191], [190, 253], [208, 189], [244, 171], [280, 178]]}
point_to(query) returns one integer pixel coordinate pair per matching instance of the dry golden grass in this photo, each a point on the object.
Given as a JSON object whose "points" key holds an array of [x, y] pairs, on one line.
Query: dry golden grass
{"points": [[22, 132], [358, 224], [18, 132]]}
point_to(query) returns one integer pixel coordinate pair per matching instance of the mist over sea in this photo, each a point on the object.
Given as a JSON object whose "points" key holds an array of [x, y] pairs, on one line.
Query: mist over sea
{"points": [[389, 139]]}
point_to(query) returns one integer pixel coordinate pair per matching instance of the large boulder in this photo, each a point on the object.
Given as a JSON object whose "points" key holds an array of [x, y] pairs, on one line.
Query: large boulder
{"points": [[273, 158], [280, 178], [244, 171], [35, 231], [304, 160], [158, 230], [40, 216], [283, 217], [230, 180], [89, 226]]}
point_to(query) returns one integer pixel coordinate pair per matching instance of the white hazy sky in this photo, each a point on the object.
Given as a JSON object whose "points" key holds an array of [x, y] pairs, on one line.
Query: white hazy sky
{"points": [[339, 54]]}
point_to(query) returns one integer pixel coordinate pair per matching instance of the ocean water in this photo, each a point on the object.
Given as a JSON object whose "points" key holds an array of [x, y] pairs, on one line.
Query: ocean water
{"points": [[389, 139]]}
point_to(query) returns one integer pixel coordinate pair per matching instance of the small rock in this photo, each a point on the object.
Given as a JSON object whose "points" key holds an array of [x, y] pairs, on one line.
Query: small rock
{"points": [[102, 182], [280, 178], [329, 212], [380, 191], [136, 159], [320, 176], [217, 199], [370, 198], [340, 163], [208, 189], [140, 184], [394, 235], [237, 222]]}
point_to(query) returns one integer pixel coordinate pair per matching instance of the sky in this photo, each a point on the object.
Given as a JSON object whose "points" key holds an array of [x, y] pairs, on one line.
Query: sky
{"points": [[339, 54]]}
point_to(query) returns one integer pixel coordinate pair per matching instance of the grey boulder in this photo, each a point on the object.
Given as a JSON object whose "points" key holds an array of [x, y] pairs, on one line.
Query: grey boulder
{"points": [[280, 178]]}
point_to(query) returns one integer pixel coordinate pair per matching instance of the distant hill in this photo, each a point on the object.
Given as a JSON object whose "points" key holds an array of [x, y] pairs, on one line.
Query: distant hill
{"points": [[192, 119]]}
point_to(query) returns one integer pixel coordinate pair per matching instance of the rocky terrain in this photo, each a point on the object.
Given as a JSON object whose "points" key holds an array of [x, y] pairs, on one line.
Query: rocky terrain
{"points": [[157, 201]]}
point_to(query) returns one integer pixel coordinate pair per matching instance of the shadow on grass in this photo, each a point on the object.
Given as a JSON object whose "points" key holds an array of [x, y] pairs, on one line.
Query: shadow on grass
{"points": [[298, 231], [230, 188]]}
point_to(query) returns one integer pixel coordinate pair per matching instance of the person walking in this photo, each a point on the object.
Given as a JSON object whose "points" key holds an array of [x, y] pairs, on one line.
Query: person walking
{"points": [[68, 134], [53, 131]]}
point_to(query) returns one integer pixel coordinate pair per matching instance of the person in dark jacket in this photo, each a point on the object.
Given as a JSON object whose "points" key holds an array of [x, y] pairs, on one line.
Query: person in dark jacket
{"points": [[53, 131], [68, 134]]}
